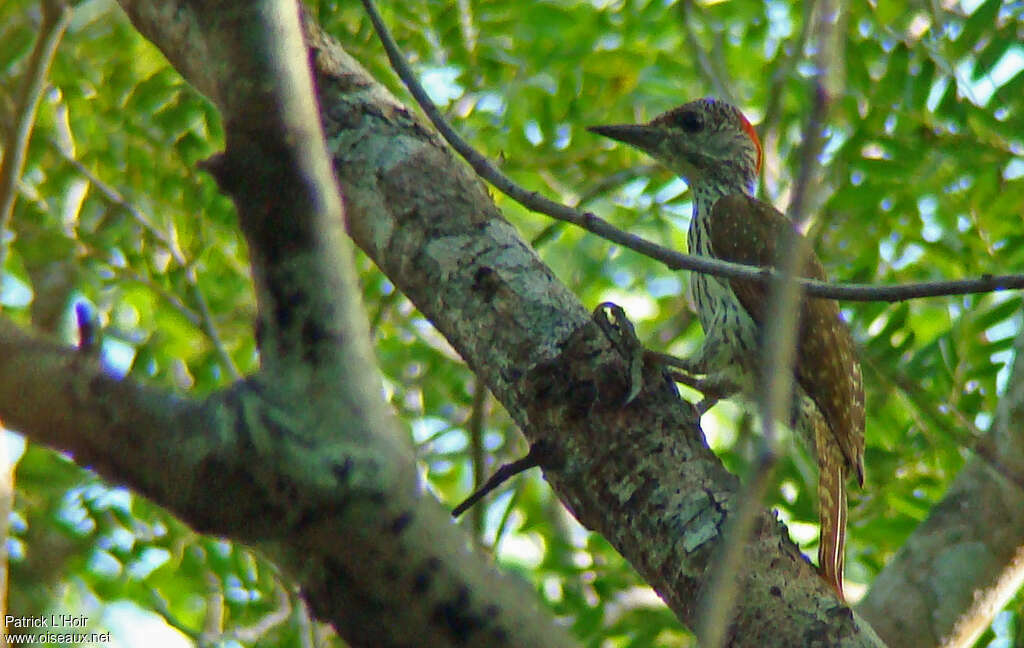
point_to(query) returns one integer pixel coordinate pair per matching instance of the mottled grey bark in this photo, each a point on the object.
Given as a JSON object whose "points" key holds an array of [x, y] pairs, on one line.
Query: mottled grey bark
{"points": [[303, 458], [641, 475], [963, 563], [345, 515]]}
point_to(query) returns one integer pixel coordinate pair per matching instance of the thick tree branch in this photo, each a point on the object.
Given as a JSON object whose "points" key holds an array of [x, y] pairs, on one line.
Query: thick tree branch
{"points": [[671, 258], [642, 475], [323, 509], [297, 459], [303, 458], [66, 399]]}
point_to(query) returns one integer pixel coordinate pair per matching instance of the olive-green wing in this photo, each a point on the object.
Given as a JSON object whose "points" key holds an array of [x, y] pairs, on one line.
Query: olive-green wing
{"points": [[746, 230]]}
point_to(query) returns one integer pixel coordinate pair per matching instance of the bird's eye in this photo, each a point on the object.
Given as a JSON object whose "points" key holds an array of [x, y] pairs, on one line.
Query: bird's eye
{"points": [[689, 121]]}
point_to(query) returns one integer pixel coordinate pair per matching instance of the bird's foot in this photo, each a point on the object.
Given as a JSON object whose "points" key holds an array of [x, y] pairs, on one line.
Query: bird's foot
{"points": [[692, 373], [612, 320]]}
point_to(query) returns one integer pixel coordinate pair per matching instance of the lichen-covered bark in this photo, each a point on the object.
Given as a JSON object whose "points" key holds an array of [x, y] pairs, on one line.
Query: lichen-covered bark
{"points": [[374, 557], [963, 563], [340, 508], [302, 458], [641, 475]]}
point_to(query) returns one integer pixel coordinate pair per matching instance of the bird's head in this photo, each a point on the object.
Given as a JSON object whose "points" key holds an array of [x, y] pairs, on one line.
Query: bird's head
{"points": [[707, 142]]}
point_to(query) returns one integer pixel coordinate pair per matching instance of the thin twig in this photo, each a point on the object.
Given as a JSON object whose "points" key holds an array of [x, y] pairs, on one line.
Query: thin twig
{"points": [[780, 342], [173, 300], [621, 177], [383, 306], [502, 475], [56, 16], [784, 70], [208, 326], [779, 354], [506, 516], [116, 198], [598, 189], [476, 444], [470, 33], [704, 64], [533, 459], [672, 259]]}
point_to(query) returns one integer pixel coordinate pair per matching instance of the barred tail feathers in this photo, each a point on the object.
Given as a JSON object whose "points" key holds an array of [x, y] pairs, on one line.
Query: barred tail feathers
{"points": [[831, 507]]}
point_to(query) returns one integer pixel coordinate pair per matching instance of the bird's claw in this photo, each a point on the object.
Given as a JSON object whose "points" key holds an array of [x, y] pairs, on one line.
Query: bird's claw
{"points": [[612, 320], [620, 331]]}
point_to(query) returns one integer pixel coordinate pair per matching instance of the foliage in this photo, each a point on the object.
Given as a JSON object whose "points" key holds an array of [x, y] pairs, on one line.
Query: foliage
{"points": [[923, 179]]}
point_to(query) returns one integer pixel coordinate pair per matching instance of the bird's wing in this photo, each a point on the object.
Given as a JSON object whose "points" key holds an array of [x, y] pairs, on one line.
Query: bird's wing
{"points": [[746, 230]]}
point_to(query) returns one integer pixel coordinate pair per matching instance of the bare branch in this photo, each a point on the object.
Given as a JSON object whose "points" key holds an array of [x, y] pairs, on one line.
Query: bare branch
{"points": [[532, 459], [204, 319], [476, 433], [778, 355], [117, 199], [208, 326], [704, 63], [784, 69], [672, 259]]}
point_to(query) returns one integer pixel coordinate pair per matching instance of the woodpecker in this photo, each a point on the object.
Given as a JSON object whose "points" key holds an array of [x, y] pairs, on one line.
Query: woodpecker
{"points": [[712, 146]]}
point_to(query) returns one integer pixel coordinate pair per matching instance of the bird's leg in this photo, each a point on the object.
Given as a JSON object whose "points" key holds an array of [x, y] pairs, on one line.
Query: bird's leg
{"points": [[698, 372], [714, 387], [618, 329], [687, 366]]}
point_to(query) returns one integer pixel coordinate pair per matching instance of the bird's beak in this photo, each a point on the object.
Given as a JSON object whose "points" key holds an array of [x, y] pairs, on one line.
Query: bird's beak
{"points": [[642, 136]]}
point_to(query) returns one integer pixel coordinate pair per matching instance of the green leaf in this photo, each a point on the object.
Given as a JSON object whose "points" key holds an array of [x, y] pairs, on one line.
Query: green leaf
{"points": [[18, 41]]}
